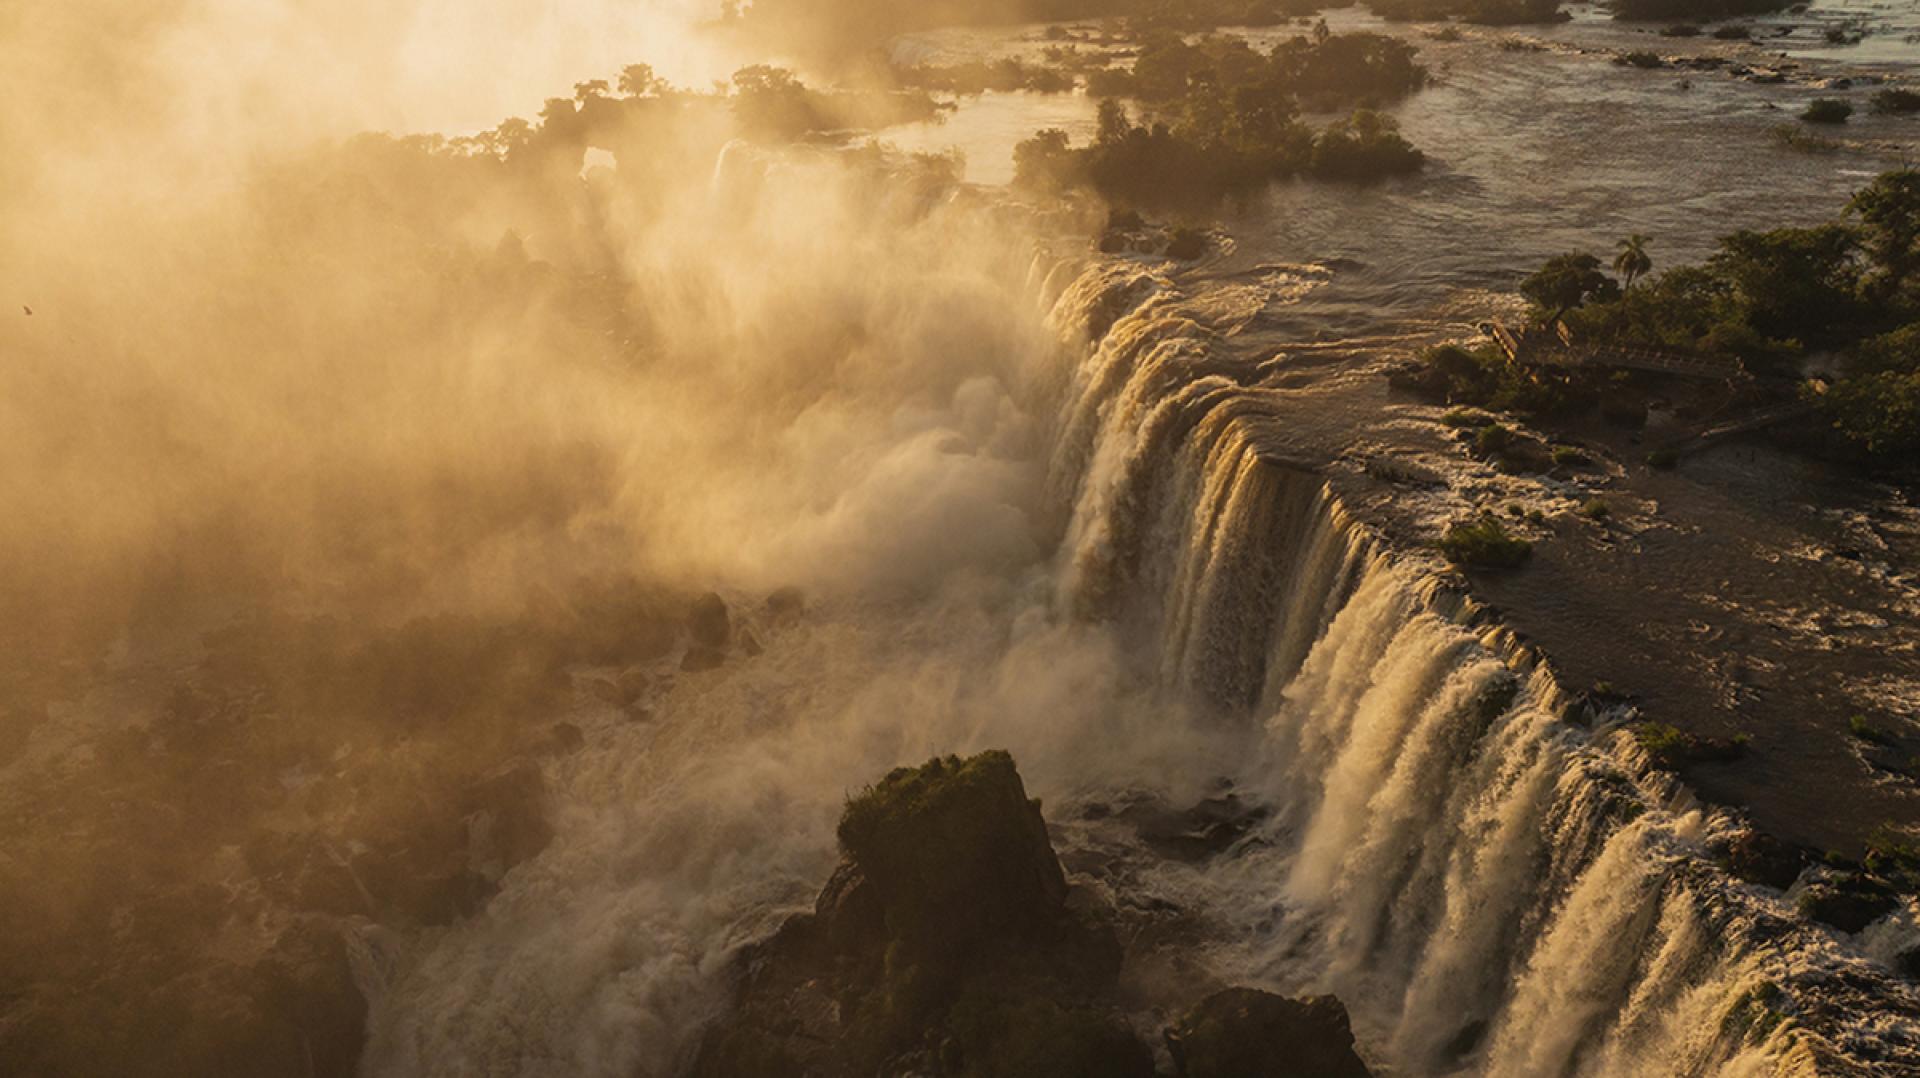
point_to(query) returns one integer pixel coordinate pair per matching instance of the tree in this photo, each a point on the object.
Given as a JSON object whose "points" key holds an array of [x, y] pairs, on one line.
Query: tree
{"points": [[1792, 283], [585, 91], [1632, 262], [638, 80], [1046, 162], [1567, 281], [1878, 412], [1889, 213], [1113, 124]]}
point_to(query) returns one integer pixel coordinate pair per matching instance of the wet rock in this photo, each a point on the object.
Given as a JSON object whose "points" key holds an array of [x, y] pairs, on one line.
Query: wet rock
{"points": [[957, 852], [444, 868], [708, 623], [304, 873], [1907, 962], [786, 604], [945, 944], [699, 659], [1247, 1033], [312, 1018], [1205, 830], [1465, 1042], [1848, 903], [1760, 858]]}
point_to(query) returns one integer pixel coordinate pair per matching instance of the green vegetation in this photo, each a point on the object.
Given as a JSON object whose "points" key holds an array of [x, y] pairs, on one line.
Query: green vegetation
{"points": [[1666, 744], [1484, 544], [1568, 281], [977, 77], [1693, 10], [1567, 456], [1672, 749], [1860, 727], [1325, 69], [1764, 299], [1896, 102], [1215, 150], [1492, 438], [1485, 377], [1596, 509], [1797, 138], [1217, 116], [1633, 262], [1827, 110]]}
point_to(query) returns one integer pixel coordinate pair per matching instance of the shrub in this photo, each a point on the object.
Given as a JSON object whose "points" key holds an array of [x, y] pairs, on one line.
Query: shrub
{"points": [[1595, 509], [1484, 543], [1860, 727], [1795, 137], [1672, 748], [1492, 438], [1567, 456], [1896, 101], [1640, 58], [1663, 459], [1732, 33], [1666, 744], [1365, 146], [1879, 413], [1463, 418], [1827, 110]]}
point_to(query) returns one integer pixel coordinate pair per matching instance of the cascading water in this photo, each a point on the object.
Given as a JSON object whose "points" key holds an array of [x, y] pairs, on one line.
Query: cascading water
{"points": [[1490, 887]]}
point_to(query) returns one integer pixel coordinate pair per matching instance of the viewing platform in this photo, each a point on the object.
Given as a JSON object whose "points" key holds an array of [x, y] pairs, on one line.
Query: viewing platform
{"points": [[1534, 347]]}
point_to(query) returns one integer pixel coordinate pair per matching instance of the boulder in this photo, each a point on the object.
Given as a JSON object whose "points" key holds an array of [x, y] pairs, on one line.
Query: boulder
{"points": [[1849, 903], [957, 854], [1247, 1033], [943, 945], [1756, 857], [310, 1016], [708, 622]]}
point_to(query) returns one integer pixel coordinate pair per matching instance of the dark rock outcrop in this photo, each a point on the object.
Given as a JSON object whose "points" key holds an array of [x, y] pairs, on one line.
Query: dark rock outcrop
{"points": [[1757, 857], [944, 945], [949, 944], [708, 622], [1849, 903], [1247, 1033]]}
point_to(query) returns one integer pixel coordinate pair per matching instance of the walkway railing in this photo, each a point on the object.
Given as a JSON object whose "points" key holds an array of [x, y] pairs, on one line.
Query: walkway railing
{"points": [[1536, 348]]}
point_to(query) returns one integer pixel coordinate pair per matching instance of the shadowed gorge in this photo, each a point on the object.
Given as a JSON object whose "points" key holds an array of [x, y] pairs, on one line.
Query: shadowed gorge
{"points": [[816, 538]]}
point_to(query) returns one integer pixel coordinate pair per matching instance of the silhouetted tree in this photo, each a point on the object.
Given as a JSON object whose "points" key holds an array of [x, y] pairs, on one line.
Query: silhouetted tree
{"points": [[1632, 262], [1567, 281]]}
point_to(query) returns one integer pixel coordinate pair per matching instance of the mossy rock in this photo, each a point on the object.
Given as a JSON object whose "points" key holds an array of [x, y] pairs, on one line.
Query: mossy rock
{"points": [[999, 1034], [1849, 904], [957, 854], [1247, 1033]]}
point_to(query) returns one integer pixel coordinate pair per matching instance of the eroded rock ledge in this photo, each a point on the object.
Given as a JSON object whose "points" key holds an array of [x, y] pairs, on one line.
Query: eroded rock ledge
{"points": [[949, 943]]}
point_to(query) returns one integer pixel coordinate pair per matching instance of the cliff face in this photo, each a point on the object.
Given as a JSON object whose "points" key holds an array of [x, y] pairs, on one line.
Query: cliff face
{"points": [[948, 943]]}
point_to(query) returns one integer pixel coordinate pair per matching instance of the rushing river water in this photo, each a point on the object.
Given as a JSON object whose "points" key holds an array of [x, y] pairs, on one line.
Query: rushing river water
{"points": [[1064, 505]]}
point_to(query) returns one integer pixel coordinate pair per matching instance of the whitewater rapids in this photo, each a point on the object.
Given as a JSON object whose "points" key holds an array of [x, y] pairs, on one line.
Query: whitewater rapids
{"points": [[1490, 887]]}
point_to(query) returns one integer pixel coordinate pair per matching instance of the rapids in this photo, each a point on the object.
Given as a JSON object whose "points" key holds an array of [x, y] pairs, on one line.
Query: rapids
{"points": [[1488, 875]]}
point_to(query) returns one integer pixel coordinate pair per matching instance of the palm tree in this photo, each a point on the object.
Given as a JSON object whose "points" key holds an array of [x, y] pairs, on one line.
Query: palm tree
{"points": [[1632, 262]]}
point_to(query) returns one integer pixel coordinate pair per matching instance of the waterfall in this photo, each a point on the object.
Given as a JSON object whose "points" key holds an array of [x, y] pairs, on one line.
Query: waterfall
{"points": [[1491, 887]]}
